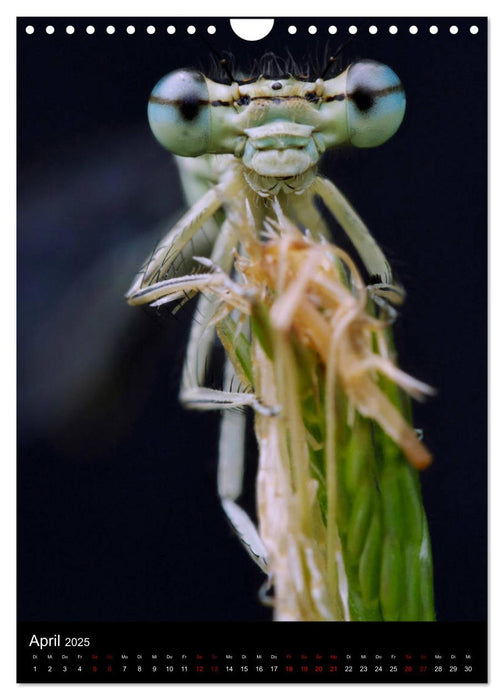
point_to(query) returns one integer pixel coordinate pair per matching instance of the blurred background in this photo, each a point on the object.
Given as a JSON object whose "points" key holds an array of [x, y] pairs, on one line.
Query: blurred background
{"points": [[118, 515]]}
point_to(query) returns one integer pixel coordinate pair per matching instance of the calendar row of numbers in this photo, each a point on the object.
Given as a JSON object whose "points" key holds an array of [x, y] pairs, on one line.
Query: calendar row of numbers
{"points": [[151, 669]]}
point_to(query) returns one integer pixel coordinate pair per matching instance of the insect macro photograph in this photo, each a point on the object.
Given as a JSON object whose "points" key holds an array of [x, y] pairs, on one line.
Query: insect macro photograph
{"points": [[252, 320]]}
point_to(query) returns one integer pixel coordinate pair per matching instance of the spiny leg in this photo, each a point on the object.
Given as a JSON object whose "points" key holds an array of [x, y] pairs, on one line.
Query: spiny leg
{"points": [[230, 477], [193, 393], [169, 290], [387, 297], [202, 332], [372, 256], [302, 210], [158, 265]]}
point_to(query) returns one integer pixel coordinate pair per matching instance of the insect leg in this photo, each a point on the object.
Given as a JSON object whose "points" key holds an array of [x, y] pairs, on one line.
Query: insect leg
{"points": [[157, 266], [387, 297], [193, 393], [375, 261], [230, 478]]}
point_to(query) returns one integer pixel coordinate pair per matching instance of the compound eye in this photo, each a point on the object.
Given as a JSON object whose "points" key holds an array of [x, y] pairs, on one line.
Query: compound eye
{"points": [[375, 103], [179, 113]]}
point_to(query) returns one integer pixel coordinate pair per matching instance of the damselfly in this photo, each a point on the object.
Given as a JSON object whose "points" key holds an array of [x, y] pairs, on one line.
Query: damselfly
{"points": [[248, 154]]}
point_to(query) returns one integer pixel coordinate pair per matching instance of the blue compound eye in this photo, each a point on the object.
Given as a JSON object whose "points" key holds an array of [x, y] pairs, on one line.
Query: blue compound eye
{"points": [[375, 103], [179, 113]]}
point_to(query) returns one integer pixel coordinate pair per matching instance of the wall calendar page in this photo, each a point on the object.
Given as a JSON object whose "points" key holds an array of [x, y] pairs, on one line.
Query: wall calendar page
{"points": [[252, 355]]}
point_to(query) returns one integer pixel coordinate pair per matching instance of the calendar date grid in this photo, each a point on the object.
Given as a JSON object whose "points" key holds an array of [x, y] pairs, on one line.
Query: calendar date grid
{"points": [[251, 663]]}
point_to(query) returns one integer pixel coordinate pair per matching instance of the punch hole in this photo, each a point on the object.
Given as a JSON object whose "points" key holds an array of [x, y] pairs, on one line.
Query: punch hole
{"points": [[474, 29], [373, 29], [453, 29], [170, 29], [191, 29], [413, 29], [49, 29], [90, 29], [332, 29], [312, 29], [30, 29], [130, 29], [393, 29], [252, 29], [352, 29], [151, 29], [433, 29], [70, 29], [110, 29], [211, 29], [292, 29]]}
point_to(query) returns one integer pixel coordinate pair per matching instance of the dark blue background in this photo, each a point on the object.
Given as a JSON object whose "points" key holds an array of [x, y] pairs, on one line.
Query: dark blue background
{"points": [[118, 513]]}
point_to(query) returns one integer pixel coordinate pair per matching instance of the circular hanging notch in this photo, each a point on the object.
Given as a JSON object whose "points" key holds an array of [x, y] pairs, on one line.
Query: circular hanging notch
{"points": [[252, 29]]}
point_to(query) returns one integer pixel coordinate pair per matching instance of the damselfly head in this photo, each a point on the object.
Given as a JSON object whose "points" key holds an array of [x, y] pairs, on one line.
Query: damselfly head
{"points": [[279, 126]]}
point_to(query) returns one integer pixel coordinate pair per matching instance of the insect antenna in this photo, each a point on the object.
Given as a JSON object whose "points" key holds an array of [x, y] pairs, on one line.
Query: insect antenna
{"points": [[223, 63], [333, 57]]}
